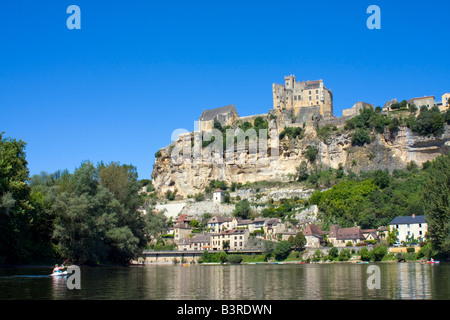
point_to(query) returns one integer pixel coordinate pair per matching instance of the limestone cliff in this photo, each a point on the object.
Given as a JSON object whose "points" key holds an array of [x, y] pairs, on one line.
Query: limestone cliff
{"points": [[384, 152]]}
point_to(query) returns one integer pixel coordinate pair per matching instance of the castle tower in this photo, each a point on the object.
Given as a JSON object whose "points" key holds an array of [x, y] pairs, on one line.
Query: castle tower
{"points": [[295, 95]]}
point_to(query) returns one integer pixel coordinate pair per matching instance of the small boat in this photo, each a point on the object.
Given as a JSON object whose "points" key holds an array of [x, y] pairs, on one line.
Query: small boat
{"points": [[59, 273], [362, 262], [430, 262]]}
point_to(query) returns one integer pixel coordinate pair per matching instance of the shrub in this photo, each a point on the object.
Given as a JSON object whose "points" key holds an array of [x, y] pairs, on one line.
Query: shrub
{"points": [[378, 252], [333, 253], [311, 153], [365, 254], [282, 250], [344, 255], [234, 258], [410, 250], [360, 137], [291, 132]]}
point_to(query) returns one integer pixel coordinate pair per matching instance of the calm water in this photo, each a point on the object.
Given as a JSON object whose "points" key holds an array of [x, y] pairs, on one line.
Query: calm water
{"points": [[241, 282]]}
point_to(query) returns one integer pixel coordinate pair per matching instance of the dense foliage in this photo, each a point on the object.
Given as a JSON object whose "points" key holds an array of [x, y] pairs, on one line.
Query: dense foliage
{"points": [[436, 202], [371, 199], [428, 122], [89, 216]]}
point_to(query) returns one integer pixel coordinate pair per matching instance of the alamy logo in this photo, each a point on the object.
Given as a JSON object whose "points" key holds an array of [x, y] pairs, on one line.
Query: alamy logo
{"points": [[374, 21], [74, 20], [231, 146], [374, 280], [74, 280]]}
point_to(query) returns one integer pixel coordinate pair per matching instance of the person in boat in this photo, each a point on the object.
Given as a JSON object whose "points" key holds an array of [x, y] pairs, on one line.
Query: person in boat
{"points": [[58, 269]]}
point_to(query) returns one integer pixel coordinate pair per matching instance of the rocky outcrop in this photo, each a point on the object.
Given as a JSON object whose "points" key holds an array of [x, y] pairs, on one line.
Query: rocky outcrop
{"points": [[278, 160]]}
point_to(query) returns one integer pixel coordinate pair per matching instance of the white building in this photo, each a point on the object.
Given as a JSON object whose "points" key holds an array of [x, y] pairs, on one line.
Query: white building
{"points": [[218, 196], [410, 227]]}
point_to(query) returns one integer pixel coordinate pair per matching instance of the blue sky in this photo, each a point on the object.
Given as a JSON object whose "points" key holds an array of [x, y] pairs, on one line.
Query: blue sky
{"points": [[137, 70]]}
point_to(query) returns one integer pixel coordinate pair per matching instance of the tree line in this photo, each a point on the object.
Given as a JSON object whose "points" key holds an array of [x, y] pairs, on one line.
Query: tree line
{"points": [[89, 216], [373, 199]]}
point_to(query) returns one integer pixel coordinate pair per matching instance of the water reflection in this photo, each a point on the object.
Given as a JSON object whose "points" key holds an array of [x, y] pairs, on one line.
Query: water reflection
{"points": [[234, 282]]}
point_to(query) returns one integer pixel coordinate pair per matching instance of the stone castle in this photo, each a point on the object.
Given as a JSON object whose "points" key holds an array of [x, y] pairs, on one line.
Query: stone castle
{"points": [[301, 100], [307, 105], [297, 96]]}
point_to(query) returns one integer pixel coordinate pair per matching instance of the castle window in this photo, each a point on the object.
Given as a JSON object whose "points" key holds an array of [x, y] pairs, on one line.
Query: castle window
{"points": [[299, 97], [317, 91], [310, 98], [295, 98]]}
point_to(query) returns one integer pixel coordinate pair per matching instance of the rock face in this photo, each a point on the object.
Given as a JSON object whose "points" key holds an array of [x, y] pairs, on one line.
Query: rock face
{"points": [[176, 166]]}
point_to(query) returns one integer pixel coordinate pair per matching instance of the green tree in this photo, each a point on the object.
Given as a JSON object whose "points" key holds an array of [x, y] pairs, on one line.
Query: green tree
{"points": [[365, 254], [447, 116], [94, 224], [15, 202], [392, 236], [282, 250], [242, 209], [311, 154], [226, 245], [298, 242], [436, 202], [381, 178], [269, 247], [360, 137], [302, 171], [378, 252], [344, 255], [333, 253]]}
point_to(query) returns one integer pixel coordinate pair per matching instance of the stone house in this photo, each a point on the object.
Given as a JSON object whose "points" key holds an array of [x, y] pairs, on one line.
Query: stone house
{"points": [[237, 239], [200, 242], [370, 234], [225, 115], [313, 235], [181, 231], [382, 232], [272, 227], [287, 234], [410, 227], [339, 237], [444, 106], [257, 224], [239, 223], [219, 223], [218, 195], [427, 101]]}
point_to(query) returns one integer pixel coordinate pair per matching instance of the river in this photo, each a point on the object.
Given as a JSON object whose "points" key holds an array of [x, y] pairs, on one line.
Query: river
{"points": [[232, 282]]}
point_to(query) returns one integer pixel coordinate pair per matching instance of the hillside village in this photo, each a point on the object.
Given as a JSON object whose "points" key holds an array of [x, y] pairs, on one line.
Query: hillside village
{"points": [[203, 217]]}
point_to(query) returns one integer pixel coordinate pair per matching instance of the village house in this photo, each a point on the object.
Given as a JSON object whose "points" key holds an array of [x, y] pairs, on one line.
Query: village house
{"points": [[370, 234], [272, 227], [313, 235], [287, 234], [200, 242], [219, 223], [239, 223], [410, 227], [237, 239], [427, 101], [339, 237], [224, 115], [218, 195], [444, 105], [181, 231], [257, 225]]}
